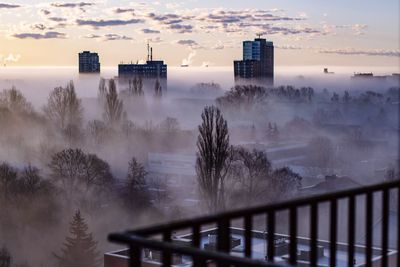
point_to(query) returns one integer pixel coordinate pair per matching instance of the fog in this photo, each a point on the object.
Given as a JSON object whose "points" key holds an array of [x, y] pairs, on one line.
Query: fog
{"points": [[315, 124]]}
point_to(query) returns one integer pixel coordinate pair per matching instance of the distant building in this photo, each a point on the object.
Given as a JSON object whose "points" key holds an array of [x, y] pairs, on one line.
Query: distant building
{"points": [[151, 69], [89, 62], [258, 60]]}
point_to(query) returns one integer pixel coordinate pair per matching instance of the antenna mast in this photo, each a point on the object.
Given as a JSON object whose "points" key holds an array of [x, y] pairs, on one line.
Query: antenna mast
{"points": [[148, 50]]}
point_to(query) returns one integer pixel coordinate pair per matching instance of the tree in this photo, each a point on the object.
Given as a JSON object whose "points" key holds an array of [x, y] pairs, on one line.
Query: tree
{"points": [[8, 177], [76, 171], [243, 96], [97, 130], [64, 108], [31, 184], [113, 107], [135, 193], [102, 91], [5, 258], [320, 152], [170, 125], [284, 183], [213, 157], [80, 248], [157, 89], [252, 170], [15, 101]]}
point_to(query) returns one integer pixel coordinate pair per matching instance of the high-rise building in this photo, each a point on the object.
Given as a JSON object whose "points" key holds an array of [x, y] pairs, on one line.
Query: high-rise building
{"points": [[258, 60], [89, 62], [152, 68]]}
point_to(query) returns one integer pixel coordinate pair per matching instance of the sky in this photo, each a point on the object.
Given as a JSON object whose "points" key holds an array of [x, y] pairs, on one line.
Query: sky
{"points": [[200, 32]]}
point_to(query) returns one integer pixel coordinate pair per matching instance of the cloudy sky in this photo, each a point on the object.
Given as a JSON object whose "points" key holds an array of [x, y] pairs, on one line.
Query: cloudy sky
{"points": [[304, 32]]}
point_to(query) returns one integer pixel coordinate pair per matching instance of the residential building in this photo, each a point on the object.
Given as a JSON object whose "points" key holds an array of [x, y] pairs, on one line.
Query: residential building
{"points": [[89, 62], [257, 62]]}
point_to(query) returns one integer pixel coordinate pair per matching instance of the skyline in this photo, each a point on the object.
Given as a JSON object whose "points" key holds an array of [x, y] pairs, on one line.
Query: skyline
{"points": [[199, 32]]}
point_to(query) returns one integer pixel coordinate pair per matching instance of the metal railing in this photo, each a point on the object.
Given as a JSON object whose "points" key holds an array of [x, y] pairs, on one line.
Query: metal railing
{"points": [[140, 239]]}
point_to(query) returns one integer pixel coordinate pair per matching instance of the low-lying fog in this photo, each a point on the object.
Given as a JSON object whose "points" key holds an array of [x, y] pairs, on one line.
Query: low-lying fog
{"points": [[126, 158]]}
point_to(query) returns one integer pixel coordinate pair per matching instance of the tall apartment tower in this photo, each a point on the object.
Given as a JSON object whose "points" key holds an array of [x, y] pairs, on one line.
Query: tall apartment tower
{"points": [[258, 60], [89, 62]]}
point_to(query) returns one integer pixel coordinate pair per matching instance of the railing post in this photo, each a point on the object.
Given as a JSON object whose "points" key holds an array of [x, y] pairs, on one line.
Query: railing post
{"points": [[135, 256], [248, 225], [166, 255], [333, 232], [351, 229], [314, 234], [293, 236], [369, 229], [385, 226], [271, 236], [223, 237]]}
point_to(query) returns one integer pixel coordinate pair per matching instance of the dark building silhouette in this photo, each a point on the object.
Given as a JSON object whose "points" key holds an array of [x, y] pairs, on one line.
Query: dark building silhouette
{"points": [[152, 68], [89, 62], [258, 60]]}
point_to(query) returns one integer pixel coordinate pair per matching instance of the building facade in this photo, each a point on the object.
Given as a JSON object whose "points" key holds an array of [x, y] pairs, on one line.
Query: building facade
{"points": [[89, 62], [258, 60], [152, 69]]}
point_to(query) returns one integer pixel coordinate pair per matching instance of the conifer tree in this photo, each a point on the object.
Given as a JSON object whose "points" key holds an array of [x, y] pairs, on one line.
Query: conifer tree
{"points": [[80, 249]]}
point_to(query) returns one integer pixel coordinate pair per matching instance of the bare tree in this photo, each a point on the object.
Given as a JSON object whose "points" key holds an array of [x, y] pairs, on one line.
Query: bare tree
{"points": [[212, 157], [76, 172], [113, 107], [102, 91], [252, 172], [64, 108], [15, 101], [284, 184], [8, 177], [170, 125]]}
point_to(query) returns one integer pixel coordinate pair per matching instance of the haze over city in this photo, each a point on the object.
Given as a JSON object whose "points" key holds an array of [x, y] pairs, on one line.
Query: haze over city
{"points": [[199, 133]]}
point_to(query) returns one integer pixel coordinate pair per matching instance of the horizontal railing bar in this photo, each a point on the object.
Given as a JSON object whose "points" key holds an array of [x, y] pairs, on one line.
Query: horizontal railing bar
{"points": [[263, 209], [189, 251]]}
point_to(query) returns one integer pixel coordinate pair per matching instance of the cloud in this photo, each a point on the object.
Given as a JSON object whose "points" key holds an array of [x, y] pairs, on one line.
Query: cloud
{"points": [[124, 10], [150, 31], [8, 6], [190, 43], [72, 5], [116, 37], [45, 12], [38, 36], [108, 37], [107, 23], [57, 19], [289, 47], [219, 46], [38, 26], [352, 51], [155, 40], [181, 28]]}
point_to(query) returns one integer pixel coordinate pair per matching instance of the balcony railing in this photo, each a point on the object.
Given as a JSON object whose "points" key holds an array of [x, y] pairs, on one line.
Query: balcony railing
{"points": [[138, 240]]}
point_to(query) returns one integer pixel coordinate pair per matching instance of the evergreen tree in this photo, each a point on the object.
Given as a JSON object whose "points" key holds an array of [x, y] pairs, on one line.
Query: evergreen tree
{"points": [[80, 249], [5, 258]]}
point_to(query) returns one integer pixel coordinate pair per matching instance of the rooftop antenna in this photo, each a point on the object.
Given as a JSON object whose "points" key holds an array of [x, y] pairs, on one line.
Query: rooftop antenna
{"points": [[151, 53], [259, 35], [148, 50]]}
